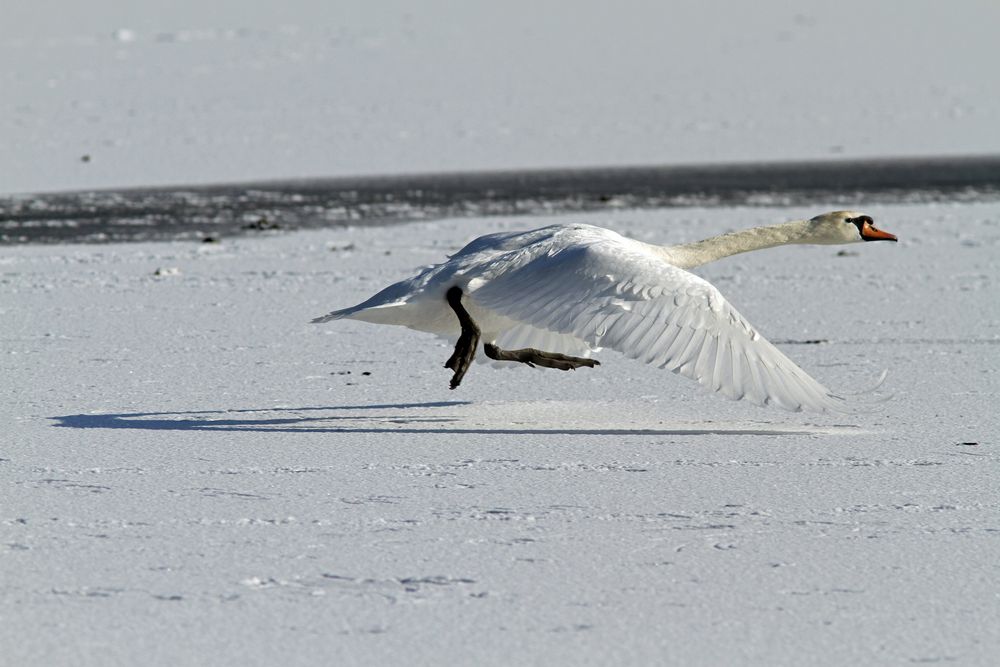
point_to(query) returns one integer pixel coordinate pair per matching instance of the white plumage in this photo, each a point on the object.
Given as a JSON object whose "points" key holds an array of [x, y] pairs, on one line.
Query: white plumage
{"points": [[574, 289]]}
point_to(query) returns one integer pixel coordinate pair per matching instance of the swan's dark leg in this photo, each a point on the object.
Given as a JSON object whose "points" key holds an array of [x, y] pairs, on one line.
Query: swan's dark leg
{"points": [[465, 348], [534, 357]]}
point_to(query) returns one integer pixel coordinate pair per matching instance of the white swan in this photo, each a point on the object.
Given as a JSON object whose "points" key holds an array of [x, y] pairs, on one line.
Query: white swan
{"points": [[571, 289]]}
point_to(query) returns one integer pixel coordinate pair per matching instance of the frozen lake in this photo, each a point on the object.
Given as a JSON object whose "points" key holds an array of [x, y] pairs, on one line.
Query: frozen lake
{"points": [[191, 474], [112, 95], [190, 471]]}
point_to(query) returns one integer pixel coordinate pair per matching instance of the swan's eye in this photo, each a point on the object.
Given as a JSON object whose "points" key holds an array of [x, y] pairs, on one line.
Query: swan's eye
{"points": [[859, 222]]}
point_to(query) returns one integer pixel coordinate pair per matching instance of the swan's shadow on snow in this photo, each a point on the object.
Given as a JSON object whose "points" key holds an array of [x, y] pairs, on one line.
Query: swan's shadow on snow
{"points": [[390, 418]]}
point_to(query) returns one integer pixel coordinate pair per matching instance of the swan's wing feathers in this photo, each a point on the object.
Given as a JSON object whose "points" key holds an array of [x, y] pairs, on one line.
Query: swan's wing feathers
{"points": [[633, 301]]}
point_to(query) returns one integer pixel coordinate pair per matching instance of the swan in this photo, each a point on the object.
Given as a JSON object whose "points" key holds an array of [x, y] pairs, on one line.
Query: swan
{"points": [[552, 296]]}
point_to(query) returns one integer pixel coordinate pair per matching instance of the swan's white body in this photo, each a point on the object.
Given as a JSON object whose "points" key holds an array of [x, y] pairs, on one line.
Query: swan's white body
{"points": [[574, 289]]}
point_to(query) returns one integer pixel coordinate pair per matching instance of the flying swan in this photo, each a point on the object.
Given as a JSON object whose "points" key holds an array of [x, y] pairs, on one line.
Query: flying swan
{"points": [[551, 296]]}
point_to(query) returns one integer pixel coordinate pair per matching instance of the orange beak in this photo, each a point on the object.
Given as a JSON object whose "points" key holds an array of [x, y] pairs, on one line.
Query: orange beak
{"points": [[870, 233]]}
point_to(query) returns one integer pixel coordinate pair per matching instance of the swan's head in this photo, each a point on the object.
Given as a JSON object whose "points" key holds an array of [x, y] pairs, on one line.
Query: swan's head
{"points": [[846, 227]]}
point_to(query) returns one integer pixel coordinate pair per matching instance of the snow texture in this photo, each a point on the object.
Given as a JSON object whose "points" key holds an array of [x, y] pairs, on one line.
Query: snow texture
{"points": [[112, 94], [190, 473]]}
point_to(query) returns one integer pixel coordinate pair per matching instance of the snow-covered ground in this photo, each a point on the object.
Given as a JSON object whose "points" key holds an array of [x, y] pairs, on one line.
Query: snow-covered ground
{"points": [[191, 474], [107, 93]]}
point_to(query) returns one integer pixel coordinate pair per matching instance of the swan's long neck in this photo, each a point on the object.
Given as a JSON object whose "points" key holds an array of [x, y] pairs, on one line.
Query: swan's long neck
{"points": [[690, 255]]}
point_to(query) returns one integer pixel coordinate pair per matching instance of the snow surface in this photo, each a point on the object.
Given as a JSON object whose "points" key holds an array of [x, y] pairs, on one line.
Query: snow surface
{"points": [[111, 94], [191, 474]]}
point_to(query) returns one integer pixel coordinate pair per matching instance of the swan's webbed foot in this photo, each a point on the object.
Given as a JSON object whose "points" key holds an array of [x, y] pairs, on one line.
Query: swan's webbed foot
{"points": [[465, 348], [533, 357]]}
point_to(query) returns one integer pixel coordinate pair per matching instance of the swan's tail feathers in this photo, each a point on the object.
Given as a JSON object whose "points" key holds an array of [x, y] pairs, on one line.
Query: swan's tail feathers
{"points": [[350, 313], [335, 315], [385, 313]]}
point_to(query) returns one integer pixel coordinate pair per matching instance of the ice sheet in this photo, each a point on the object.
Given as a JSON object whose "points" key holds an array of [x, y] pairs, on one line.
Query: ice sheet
{"points": [[190, 473], [112, 94]]}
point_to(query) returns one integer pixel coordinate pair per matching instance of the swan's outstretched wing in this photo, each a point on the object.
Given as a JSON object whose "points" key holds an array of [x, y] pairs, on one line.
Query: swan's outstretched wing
{"points": [[627, 298]]}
